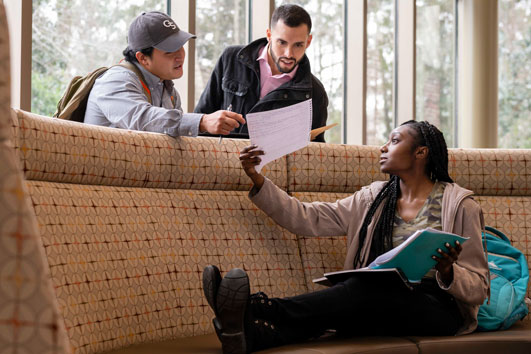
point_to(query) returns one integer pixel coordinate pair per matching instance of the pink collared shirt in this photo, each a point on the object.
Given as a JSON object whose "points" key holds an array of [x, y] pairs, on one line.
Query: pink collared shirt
{"points": [[268, 81]]}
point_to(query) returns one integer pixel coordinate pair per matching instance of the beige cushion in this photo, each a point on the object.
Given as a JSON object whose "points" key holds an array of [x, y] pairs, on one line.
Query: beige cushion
{"points": [[5, 83], [321, 254], [333, 168], [347, 168], [515, 340], [127, 262], [56, 150], [30, 321], [209, 344]]}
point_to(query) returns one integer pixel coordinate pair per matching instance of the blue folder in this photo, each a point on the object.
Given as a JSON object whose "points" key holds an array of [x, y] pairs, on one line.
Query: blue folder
{"points": [[413, 256]]}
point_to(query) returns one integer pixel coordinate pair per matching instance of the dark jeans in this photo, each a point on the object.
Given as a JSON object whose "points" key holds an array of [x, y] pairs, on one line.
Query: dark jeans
{"points": [[358, 306]]}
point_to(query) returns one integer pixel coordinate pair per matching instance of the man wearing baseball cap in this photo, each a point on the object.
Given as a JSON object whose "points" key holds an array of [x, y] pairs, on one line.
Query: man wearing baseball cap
{"points": [[121, 98]]}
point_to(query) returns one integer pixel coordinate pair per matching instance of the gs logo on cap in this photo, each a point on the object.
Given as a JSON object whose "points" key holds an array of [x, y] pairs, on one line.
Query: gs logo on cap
{"points": [[168, 23]]}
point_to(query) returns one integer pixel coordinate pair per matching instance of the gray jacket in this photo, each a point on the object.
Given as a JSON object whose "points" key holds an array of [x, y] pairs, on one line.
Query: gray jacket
{"points": [[117, 100]]}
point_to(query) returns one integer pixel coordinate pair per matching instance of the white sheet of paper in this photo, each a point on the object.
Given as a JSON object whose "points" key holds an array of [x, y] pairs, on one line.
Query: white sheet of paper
{"points": [[280, 131]]}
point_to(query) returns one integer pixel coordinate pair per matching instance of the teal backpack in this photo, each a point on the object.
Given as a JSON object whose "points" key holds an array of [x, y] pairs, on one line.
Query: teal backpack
{"points": [[509, 276]]}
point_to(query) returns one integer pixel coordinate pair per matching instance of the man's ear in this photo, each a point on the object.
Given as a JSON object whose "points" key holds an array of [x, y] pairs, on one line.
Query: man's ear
{"points": [[309, 41], [141, 58], [422, 152], [268, 34]]}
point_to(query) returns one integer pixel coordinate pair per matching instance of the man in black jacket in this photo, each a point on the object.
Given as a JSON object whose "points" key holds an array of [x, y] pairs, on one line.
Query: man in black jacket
{"points": [[269, 73]]}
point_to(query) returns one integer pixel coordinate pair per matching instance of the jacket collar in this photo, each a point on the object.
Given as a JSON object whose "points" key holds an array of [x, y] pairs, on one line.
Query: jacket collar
{"points": [[248, 55], [453, 195]]}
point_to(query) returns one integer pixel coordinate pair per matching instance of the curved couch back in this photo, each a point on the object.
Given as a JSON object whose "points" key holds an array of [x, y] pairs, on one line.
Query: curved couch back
{"points": [[347, 168], [70, 152]]}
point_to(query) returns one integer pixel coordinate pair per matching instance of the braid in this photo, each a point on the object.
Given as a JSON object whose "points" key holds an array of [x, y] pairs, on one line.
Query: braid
{"points": [[427, 135], [384, 227]]}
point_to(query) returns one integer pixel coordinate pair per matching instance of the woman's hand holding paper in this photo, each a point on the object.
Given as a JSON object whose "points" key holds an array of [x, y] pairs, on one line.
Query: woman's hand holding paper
{"points": [[249, 158]]}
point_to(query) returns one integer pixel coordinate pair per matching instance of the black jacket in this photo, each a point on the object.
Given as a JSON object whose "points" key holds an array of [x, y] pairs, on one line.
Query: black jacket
{"points": [[236, 81]]}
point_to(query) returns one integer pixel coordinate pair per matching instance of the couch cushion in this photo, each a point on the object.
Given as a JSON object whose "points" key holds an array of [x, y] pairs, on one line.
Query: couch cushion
{"points": [[30, 321], [209, 344], [492, 171], [333, 168], [516, 340], [5, 80], [127, 262], [55, 150], [321, 254], [347, 168]]}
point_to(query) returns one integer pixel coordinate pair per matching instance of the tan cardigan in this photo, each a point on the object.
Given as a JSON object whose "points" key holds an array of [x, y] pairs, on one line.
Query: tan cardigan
{"points": [[460, 215]]}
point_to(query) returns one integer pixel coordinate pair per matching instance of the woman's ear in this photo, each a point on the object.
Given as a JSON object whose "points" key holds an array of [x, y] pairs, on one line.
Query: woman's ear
{"points": [[422, 152]]}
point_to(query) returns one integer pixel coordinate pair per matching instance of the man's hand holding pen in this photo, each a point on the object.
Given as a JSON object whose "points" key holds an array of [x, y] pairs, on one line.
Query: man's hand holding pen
{"points": [[220, 122]]}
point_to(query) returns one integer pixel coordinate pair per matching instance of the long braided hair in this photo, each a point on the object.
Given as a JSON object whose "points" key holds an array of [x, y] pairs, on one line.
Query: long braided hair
{"points": [[424, 134]]}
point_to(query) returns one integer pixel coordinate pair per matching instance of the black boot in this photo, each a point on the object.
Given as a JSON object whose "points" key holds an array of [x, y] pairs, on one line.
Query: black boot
{"points": [[270, 328], [231, 303], [263, 334], [262, 307], [211, 281]]}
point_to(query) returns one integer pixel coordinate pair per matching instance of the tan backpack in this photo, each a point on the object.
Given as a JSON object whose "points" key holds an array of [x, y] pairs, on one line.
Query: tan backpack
{"points": [[73, 104]]}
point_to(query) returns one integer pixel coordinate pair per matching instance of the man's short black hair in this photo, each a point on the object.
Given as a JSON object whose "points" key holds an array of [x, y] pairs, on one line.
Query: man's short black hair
{"points": [[292, 15], [130, 55]]}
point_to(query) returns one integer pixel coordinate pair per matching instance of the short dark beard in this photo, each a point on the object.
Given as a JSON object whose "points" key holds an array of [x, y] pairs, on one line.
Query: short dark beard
{"points": [[277, 62]]}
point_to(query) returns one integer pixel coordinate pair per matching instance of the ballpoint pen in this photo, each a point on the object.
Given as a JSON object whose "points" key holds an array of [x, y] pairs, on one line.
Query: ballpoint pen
{"points": [[229, 108]]}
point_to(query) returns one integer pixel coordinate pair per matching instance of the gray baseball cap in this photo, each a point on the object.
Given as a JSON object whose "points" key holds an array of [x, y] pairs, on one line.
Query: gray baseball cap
{"points": [[156, 29]]}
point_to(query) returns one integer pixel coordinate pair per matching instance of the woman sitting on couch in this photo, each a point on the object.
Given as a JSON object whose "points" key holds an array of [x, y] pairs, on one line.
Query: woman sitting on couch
{"points": [[419, 194]]}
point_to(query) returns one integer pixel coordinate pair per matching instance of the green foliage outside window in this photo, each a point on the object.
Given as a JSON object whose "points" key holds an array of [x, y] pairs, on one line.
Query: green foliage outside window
{"points": [[380, 70], [435, 65], [74, 37], [219, 23], [514, 68]]}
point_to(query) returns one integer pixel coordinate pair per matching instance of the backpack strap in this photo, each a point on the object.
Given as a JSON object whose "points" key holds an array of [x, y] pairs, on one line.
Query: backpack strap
{"points": [[133, 68], [485, 250], [498, 233], [73, 103]]}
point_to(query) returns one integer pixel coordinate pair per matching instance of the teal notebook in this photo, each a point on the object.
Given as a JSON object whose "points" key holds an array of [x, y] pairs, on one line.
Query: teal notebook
{"points": [[413, 256]]}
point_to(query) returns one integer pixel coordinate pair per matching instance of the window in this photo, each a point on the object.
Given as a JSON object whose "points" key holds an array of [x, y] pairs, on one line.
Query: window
{"points": [[380, 59], [326, 55], [66, 42], [219, 23], [514, 69], [435, 55]]}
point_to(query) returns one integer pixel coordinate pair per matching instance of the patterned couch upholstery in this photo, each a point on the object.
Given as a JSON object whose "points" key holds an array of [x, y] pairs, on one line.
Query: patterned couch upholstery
{"points": [[104, 234]]}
